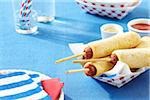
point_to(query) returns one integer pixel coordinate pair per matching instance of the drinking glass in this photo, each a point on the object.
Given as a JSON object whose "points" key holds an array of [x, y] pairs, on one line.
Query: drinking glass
{"points": [[24, 16], [45, 10]]}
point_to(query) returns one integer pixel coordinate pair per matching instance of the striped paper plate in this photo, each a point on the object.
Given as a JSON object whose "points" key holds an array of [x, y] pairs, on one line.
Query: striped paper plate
{"points": [[38, 79]]}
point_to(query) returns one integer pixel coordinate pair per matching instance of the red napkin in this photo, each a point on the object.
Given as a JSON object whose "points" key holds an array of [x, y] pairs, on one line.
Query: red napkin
{"points": [[52, 87]]}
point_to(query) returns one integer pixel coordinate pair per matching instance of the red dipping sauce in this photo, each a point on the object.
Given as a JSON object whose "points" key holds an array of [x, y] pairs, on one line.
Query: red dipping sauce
{"points": [[141, 26]]}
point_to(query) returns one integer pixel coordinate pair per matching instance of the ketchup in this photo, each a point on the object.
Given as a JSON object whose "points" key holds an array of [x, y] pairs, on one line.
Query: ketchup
{"points": [[141, 26]]}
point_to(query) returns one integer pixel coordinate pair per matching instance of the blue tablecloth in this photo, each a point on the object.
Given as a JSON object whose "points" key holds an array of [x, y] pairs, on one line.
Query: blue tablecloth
{"points": [[38, 52]]}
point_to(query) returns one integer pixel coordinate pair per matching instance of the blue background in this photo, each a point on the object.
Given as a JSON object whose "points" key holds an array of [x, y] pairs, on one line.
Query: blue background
{"points": [[38, 52]]}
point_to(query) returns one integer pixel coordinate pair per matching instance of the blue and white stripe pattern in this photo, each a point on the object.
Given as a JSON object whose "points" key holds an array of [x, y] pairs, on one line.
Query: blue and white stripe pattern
{"points": [[20, 86], [36, 78]]}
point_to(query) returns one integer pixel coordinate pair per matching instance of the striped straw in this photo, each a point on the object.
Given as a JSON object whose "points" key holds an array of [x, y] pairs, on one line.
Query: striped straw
{"points": [[25, 11], [26, 8], [23, 6], [29, 8]]}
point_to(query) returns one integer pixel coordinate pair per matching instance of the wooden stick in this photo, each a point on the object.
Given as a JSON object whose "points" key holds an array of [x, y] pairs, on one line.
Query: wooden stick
{"points": [[70, 57], [76, 71], [92, 60]]}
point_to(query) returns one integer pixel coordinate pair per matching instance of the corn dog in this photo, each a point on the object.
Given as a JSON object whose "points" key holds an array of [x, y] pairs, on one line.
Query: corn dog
{"points": [[93, 69], [145, 42], [105, 47], [135, 58]]}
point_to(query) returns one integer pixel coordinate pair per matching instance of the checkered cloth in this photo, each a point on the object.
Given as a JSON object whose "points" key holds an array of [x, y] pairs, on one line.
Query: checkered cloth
{"points": [[21, 86]]}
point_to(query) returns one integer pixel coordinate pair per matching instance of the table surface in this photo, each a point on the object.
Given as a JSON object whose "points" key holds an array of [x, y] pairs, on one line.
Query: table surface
{"points": [[38, 52]]}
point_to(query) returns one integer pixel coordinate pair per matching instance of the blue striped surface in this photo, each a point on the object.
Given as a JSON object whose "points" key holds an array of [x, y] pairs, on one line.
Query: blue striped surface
{"points": [[22, 95], [11, 74], [34, 75], [46, 98], [29, 79], [16, 84]]}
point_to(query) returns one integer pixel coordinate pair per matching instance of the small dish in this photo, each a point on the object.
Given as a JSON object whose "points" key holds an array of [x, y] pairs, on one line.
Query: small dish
{"points": [[108, 30], [141, 26]]}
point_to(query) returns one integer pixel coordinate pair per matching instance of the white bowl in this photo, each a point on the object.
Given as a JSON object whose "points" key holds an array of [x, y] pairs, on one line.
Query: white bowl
{"points": [[106, 34], [136, 21]]}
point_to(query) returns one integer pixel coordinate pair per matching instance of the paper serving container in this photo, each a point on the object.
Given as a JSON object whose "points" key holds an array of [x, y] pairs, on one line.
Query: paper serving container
{"points": [[118, 76], [110, 8]]}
